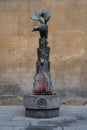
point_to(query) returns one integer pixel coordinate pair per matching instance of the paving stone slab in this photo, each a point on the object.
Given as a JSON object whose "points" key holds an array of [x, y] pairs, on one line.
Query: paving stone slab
{"points": [[12, 111], [37, 128], [58, 128], [6, 128], [14, 123], [34, 119], [75, 128], [43, 128], [16, 118], [20, 128], [13, 117], [5, 118]]}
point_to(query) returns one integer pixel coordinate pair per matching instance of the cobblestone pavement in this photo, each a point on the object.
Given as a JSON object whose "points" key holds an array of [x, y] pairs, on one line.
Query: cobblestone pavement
{"points": [[71, 118]]}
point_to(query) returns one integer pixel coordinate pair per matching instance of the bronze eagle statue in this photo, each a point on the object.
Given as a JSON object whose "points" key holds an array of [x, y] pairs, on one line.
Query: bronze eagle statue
{"points": [[42, 28]]}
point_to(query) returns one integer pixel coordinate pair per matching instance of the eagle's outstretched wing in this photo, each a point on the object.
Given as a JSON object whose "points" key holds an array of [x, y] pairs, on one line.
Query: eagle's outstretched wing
{"points": [[46, 16], [37, 16]]}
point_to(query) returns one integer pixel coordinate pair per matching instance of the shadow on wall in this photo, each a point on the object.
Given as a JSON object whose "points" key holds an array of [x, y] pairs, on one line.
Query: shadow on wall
{"points": [[15, 89], [11, 89], [71, 92]]}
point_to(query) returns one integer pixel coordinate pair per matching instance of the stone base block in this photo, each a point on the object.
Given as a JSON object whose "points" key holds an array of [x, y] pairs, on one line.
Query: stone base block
{"points": [[42, 106], [43, 113]]}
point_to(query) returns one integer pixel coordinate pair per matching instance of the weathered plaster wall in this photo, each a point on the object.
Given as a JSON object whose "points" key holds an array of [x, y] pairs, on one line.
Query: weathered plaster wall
{"points": [[67, 40]]}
